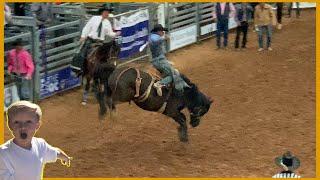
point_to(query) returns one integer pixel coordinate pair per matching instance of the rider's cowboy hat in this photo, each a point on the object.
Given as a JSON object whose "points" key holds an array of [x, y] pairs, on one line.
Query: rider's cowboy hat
{"points": [[289, 160], [158, 27], [18, 42], [105, 8]]}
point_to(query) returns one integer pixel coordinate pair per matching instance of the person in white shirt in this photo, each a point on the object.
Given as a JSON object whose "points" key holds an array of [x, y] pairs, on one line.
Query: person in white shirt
{"points": [[25, 156], [98, 28]]}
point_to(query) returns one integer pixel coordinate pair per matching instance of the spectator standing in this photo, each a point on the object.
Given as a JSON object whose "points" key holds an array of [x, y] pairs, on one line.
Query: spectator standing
{"points": [[19, 9], [264, 18], [253, 5], [20, 64], [222, 13], [42, 12], [297, 9], [243, 15], [279, 14]]}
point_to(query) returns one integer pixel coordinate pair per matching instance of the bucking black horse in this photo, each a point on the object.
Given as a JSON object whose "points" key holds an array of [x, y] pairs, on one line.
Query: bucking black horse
{"points": [[128, 84]]}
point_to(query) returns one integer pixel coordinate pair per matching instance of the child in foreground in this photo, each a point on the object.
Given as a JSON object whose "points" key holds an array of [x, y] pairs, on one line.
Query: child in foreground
{"points": [[25, 156]]}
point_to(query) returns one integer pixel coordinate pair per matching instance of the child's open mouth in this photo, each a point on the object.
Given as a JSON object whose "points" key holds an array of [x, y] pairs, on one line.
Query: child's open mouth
{"points": [[23, 135]]}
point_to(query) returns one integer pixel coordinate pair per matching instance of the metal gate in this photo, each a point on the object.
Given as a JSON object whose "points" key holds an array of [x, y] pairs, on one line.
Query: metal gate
{"points": [[22, 29], [53, 48]]}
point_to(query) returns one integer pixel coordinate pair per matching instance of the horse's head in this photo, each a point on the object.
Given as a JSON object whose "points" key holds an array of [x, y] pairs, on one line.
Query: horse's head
{"points": [[105, 59], [198, 104], [110, 51], [115, 49]]}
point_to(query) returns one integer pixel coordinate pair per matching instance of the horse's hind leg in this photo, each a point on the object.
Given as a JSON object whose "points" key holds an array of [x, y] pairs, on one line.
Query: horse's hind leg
{"points": [[180, 118]]}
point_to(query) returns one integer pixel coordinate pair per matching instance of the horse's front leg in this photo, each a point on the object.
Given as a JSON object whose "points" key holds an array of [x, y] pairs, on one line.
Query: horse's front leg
{"points": [[109, 100], [180, 118], [86, 83], [100, 95]]}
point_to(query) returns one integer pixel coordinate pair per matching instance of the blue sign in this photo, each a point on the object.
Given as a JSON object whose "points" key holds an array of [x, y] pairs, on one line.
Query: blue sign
{"points": [[58, 81], [134, 33]]}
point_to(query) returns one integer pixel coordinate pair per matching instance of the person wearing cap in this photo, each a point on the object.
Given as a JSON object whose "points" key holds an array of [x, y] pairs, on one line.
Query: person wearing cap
{"points": [[20, 64], [98, 28], [25, 156], [42, 12], [159, 61]]}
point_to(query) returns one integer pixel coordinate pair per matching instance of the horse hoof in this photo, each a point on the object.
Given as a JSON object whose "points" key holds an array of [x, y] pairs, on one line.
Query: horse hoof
{"points": [[101, 117], [84, 103], [182, 135], [113, 114], [184, 139]]}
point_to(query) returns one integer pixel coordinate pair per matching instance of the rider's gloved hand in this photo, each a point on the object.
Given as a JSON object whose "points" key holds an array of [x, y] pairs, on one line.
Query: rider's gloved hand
{"points": [[82, 39]]}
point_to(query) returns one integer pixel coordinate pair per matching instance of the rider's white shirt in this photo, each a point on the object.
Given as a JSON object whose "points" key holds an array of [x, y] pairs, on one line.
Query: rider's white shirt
{"points": [[91, 28], [17, 163]]}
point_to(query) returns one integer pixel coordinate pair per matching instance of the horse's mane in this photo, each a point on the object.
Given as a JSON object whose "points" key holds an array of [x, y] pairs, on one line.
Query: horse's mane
{"points": [[103, 50]]}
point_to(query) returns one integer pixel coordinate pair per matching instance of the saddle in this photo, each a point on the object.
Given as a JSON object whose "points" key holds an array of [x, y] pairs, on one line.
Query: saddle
{"points": [[86, 51], [93, 49], [156, 74], [148, 68], [79, 58], [144, 96]]}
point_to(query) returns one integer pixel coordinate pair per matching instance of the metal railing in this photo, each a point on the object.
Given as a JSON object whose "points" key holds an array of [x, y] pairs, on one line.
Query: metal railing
{"points": [[53, 48], [61, 36]]}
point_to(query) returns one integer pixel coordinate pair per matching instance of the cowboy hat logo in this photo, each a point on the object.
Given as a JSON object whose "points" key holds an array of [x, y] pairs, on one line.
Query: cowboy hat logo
{"points": [[289, 163]]}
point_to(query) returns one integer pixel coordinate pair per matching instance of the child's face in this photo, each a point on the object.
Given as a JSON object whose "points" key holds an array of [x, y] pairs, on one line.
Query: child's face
{"points": [[23, 126]]}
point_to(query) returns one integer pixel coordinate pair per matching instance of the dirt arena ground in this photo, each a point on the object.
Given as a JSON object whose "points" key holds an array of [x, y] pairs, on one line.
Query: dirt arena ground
{"points": [[264, 105]]}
